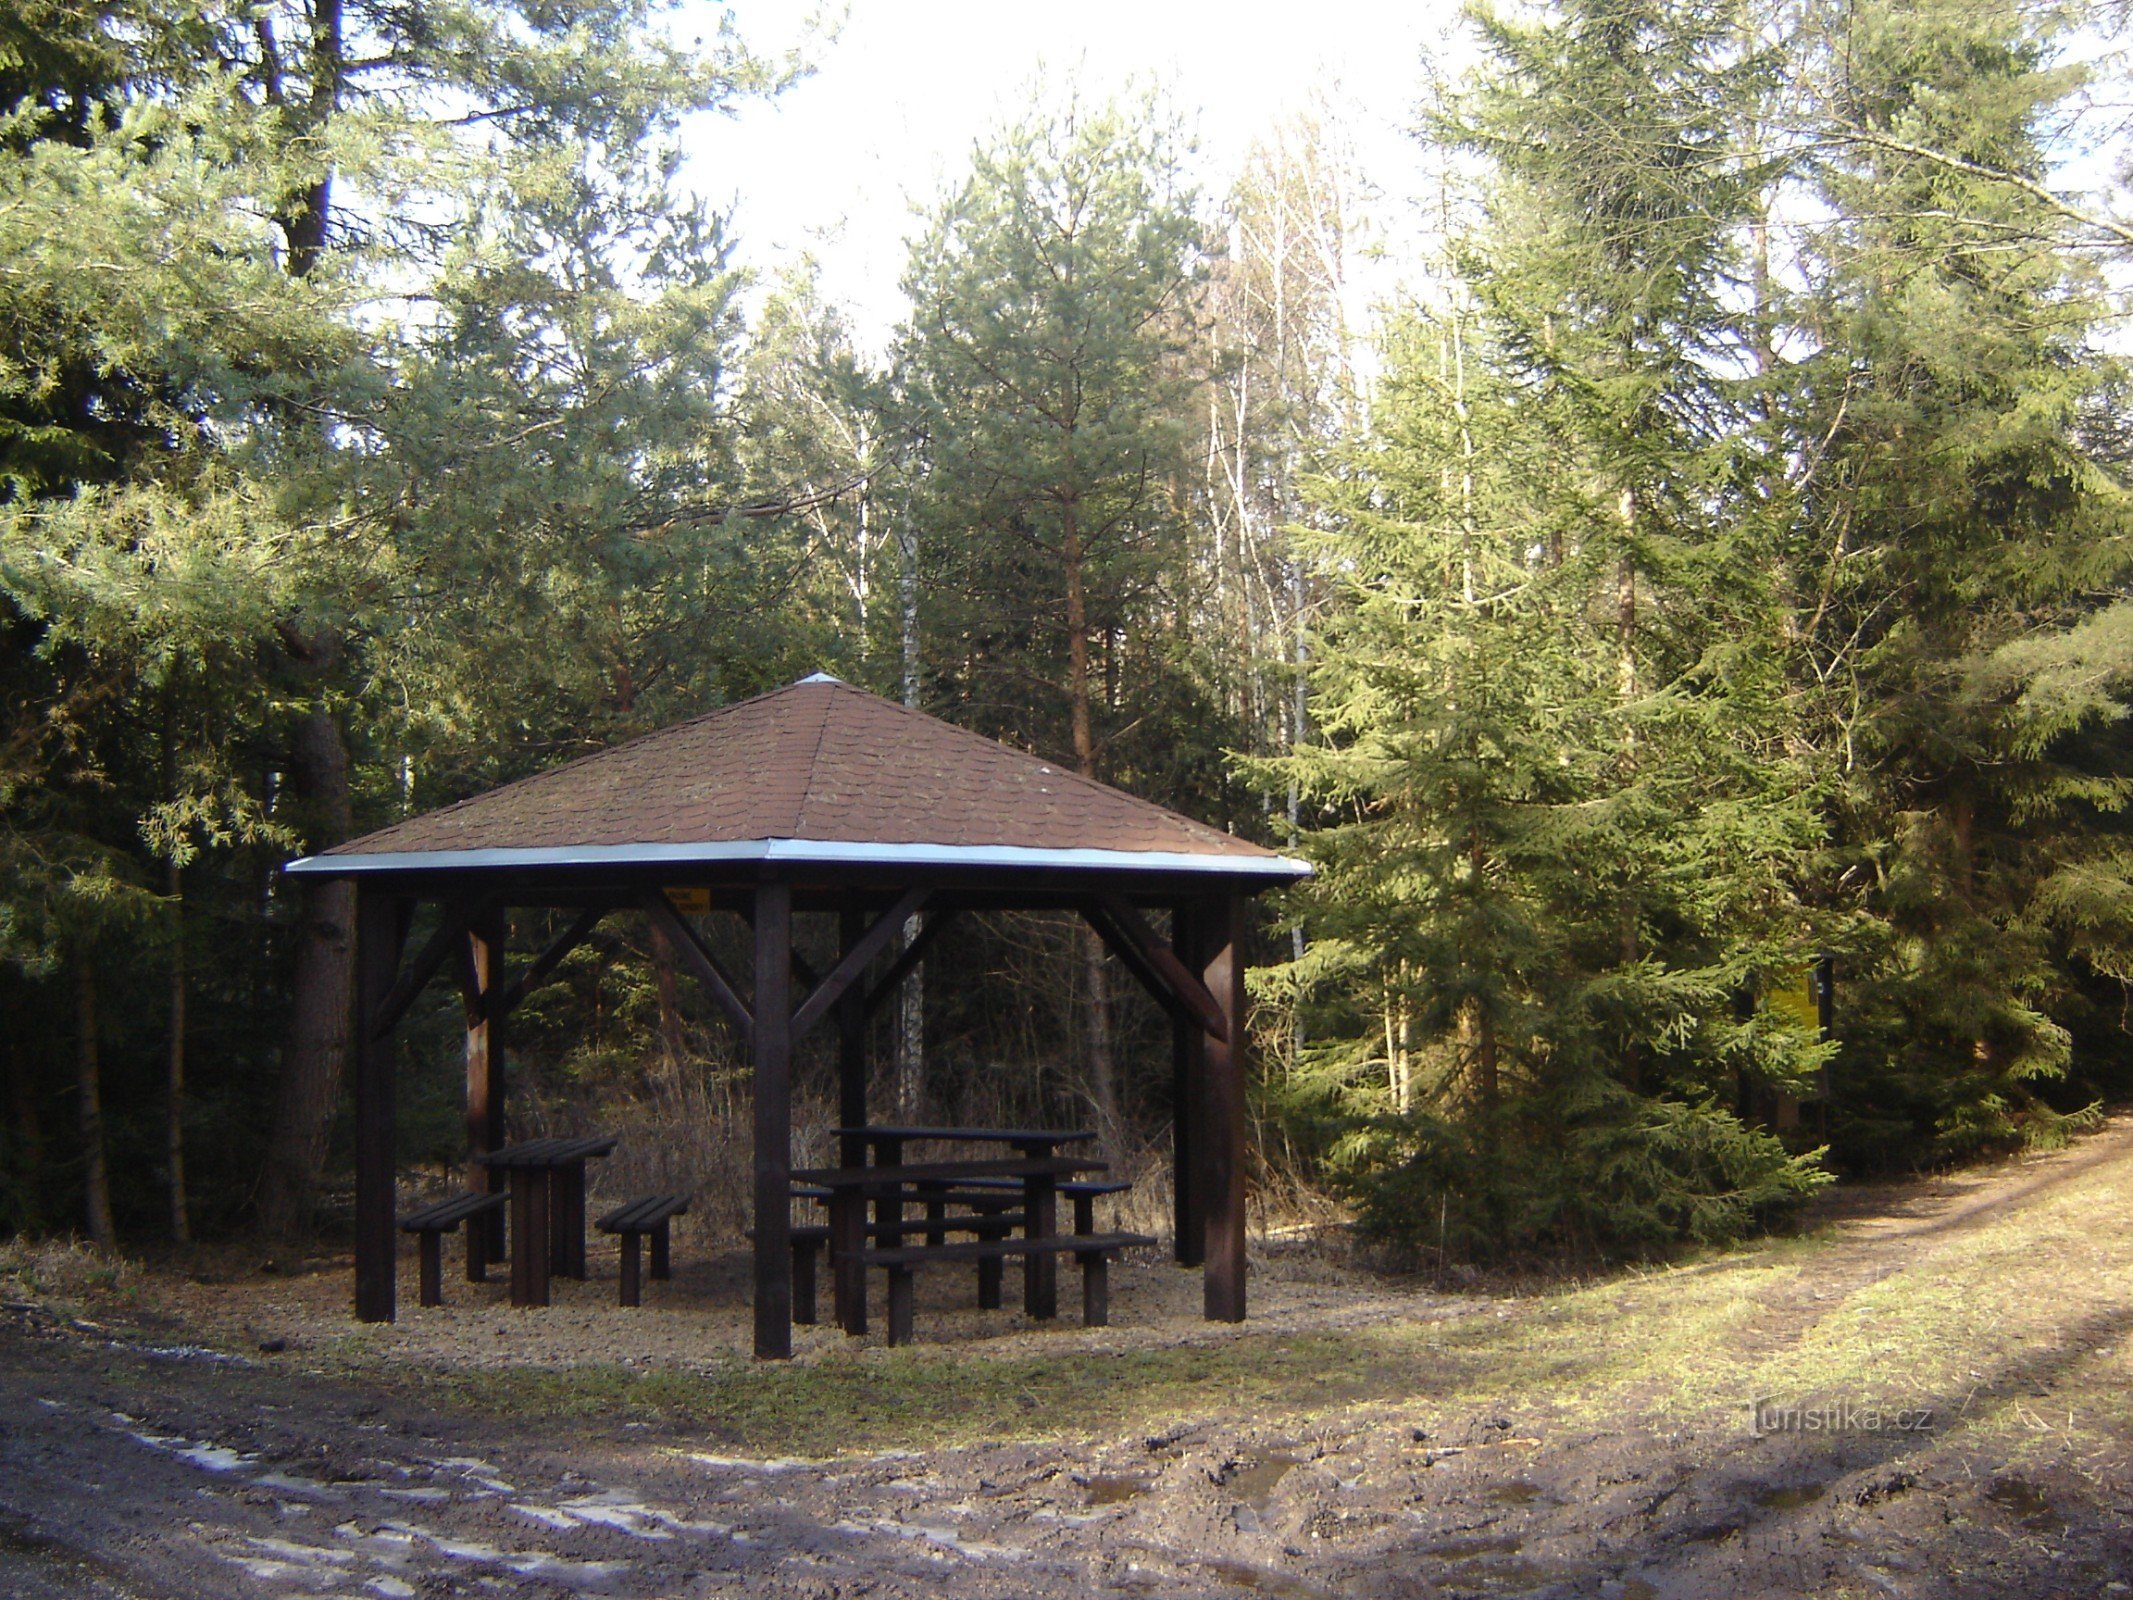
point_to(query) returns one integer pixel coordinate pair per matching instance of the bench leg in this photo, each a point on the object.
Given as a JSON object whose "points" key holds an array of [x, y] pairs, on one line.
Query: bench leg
{"points": [[432, 1267], [662, 1266], [632, 1287], [900, 1305], [803, 1282], [1095, 1290], [1084, 1214], [989, 1267]]}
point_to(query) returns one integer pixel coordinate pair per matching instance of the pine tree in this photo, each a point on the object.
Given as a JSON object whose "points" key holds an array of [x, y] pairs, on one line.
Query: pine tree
{"points": [[1043, 362]]}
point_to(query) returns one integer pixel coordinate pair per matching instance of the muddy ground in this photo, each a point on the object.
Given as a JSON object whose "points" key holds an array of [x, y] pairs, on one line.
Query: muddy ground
{"points": [[1362, 1438]]}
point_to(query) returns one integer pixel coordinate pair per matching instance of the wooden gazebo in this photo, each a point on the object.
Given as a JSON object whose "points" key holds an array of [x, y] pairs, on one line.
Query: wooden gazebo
{"points": [[817, 797]]}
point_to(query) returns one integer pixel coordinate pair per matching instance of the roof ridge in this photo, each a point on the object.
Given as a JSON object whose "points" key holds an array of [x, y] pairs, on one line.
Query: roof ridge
{"points": [[814, 760]]}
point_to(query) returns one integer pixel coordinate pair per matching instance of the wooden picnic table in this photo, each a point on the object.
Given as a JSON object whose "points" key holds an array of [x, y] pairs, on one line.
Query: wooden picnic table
{"points": [[547, 1209], [850, 1188], [884, 1143]]}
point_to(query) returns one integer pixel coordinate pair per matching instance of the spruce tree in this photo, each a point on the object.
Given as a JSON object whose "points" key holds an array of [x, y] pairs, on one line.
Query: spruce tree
{"points": [[1966, 558], [1564, 745]]}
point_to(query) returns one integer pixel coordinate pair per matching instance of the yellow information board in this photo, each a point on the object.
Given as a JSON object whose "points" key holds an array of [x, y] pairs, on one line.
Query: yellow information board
{"points": [[1792, 995], [690, 902]]}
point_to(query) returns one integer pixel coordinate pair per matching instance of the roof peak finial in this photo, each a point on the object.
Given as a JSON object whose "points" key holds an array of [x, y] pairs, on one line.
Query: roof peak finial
{"points": [[823, 677]]}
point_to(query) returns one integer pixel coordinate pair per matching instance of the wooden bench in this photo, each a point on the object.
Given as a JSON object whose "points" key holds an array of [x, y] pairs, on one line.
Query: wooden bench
{"points": [[1084, 1192], [1002, 1214], [1092, 1251], [649, 1216], [432, 1223]]}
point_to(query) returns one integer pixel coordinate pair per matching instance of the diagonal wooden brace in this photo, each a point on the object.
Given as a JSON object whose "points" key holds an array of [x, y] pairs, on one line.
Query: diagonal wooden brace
{"points": [[451, 934], [500, 1004], [704, 964], [1129, 936], [855, 962]]}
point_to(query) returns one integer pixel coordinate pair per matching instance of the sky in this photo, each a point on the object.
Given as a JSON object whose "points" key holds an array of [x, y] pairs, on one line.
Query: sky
{"points": [[838, 164]]}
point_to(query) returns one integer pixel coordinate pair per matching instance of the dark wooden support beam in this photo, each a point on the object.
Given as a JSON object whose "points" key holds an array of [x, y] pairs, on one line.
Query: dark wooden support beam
{"points": [[481, 953], [506, 1001], [705, 965], [802, 968], [851, 1047], [772, 1049], [913, 953], [1222, 1111], [1187, 1069], [381, 934], [451, 933], [1173, 984], [846, 974]]}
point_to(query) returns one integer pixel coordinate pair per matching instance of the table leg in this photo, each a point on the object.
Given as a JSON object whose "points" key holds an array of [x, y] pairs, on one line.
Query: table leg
{"points": [[889, 1204], [1040, 1268], [566, 1220], [848, 1236], [529, 1236], [478, 1247]]}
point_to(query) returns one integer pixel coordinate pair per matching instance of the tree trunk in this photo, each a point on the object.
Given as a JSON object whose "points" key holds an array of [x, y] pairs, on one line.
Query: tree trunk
{"points": [[25, 1136], [315, 1057], [181, 1228], [910, 1064], [1103, 1087], [96, 1173], [673, 1037]]}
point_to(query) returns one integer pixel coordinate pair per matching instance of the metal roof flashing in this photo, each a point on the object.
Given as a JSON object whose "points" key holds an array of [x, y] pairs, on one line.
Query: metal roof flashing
{"points": [[802, 852]]}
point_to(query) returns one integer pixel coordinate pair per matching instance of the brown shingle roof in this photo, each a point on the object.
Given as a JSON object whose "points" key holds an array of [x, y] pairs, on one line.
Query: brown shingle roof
{"points": [[820, 762]]}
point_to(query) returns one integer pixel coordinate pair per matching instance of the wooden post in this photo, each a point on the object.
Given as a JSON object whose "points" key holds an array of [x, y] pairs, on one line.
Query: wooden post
{"points": [[1222, 1112], [485, 1069], [381, 929], [773, 1122], [1187, 1053]]}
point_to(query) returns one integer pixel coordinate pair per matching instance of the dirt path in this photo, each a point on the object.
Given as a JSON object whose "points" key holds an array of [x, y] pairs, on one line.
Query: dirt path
{"points": [[1563, 1445]]}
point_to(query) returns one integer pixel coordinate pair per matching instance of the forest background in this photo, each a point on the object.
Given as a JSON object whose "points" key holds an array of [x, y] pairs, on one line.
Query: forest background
{"points": [[1709, 580]]}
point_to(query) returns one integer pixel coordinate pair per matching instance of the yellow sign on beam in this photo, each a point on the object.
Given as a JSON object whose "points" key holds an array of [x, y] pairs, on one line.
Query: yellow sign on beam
{"points": [[690, 902]]}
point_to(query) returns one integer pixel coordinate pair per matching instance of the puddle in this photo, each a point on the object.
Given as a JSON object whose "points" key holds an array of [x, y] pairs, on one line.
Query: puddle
{"points": [[1469, 1549], [1790, 1497], [1255, 1484], [1112, 1488], [2028, 1504], [1519, 1492], [1262, 1581]]}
